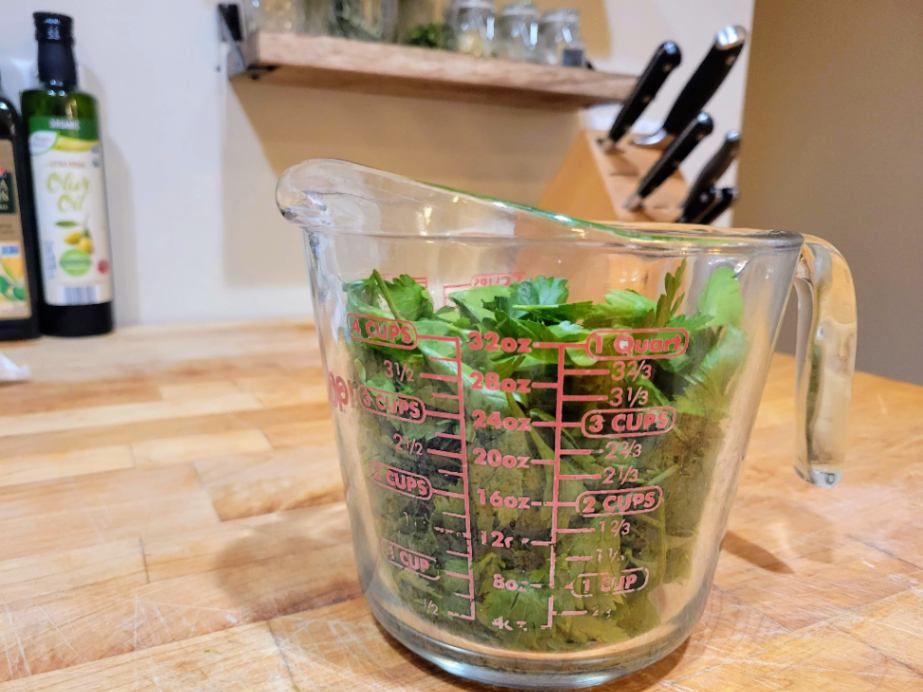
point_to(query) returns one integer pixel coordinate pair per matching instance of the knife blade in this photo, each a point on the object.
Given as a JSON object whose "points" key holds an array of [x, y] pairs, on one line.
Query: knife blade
{"points": [[674, 155], [716, 166], [726, 197], [698, 205], [709, 75], [666, 58]]}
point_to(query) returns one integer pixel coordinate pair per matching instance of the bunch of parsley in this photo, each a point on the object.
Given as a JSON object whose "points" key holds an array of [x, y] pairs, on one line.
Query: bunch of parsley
{"points": [[696, 384]]}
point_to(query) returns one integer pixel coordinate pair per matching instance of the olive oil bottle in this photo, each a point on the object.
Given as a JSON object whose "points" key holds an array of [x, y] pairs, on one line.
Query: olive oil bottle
{"points": [[18, 270], [69, 185]]}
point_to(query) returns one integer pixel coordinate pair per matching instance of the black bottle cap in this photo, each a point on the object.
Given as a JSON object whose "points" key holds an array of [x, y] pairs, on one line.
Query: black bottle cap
{"points": [[55, 35], [50, 26]]}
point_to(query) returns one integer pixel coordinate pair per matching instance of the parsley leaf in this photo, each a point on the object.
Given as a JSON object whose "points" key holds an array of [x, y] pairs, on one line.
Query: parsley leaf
{"points": [[510, 563]]}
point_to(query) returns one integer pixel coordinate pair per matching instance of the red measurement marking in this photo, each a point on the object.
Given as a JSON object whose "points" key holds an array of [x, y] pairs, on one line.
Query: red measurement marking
{"points": [[337, 391], [397, 370], [383, 402], [494, 419], [556, 424], [422, 280], [621, 474], [492, 381], [652, 343], [382, 331], [608, 503], [442, 414], [572, 613], [484, 456], [628, 422], [400, 481], [584, 397], [498, 499], [503, 279], [556, 469], [491, 341], [448, 436], [586, 371], [580, 476], [463, 616], [591, 583], [577, 452], [409, 560], [437, 376], [560, 344], [447, 493], [443, 453], [622, 449], [547, 624]]}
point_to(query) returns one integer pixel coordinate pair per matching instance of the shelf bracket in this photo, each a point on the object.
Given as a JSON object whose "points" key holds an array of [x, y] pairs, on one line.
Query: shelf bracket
{"points": [[231, 31]]}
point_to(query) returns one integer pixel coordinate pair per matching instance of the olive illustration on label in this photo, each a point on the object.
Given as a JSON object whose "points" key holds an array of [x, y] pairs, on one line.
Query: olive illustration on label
{"points": [[79, 238]]}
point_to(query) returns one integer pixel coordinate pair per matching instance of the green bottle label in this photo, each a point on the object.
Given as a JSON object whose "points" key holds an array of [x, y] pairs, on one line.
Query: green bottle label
{"points": [[70, 205], [14, 288]]}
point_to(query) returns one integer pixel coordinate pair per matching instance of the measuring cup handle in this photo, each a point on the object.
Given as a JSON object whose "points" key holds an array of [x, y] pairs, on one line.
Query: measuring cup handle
{"points": [[825, 356]]}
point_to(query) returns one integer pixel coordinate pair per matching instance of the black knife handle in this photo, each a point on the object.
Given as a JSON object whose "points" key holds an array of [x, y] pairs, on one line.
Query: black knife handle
{"points": [[698, 205], [664, 61], [708, 76], [726, 197], [675, 154], [716, 166]]}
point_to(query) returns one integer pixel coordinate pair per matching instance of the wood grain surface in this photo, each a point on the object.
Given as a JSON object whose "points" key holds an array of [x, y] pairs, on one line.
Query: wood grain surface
{"points": [[594, 182], [328, 62], [172, 518]]}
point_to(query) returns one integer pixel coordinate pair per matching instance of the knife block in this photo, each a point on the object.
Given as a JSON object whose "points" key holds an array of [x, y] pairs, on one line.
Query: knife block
{"points": [[594, 184]]}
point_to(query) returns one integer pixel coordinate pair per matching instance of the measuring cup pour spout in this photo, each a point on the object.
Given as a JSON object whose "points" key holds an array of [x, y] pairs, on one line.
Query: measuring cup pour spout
{"points": [[309, 196]]}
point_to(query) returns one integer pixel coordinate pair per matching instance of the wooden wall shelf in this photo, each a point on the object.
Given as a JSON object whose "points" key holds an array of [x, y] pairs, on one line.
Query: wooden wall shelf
{"points": [[336, 63]]}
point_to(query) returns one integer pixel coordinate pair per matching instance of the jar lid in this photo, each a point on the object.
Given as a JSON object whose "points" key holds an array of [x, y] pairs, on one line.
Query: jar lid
{"points": [[473, 5], [520, 9], [563, 15]]}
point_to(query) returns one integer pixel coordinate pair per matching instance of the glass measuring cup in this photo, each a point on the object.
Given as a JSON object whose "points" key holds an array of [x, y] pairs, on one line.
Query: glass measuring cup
{"points": [[541, 421]]}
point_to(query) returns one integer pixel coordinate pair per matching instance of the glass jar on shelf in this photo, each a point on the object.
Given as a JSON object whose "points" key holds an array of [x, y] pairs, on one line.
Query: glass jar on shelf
{"points": [[278, 16], [559, 39], [365, 20], [517, 32], [316, 16], [472, 27], [422, 23]]}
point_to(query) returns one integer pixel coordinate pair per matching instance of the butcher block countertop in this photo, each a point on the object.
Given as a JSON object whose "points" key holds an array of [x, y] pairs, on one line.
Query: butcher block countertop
{"points": [[172, 517]]}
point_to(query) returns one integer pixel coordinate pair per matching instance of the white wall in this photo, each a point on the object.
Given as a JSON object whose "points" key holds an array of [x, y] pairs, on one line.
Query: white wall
{"points": [[192, 160]]}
